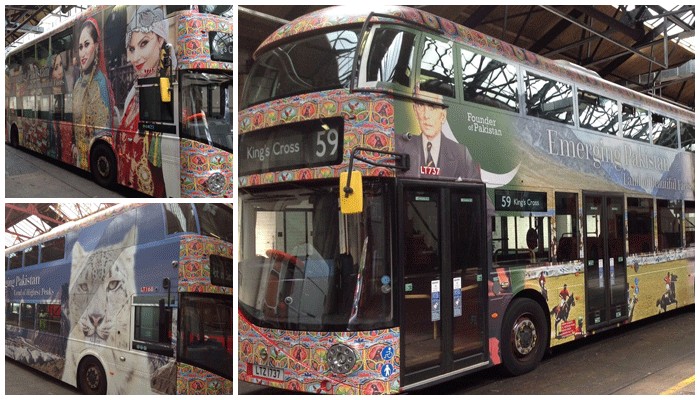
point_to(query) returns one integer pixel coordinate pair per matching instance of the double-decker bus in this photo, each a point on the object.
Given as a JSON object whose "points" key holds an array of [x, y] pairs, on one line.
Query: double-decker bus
{"points": [[135, 299], [496, 204], [139, 96]]}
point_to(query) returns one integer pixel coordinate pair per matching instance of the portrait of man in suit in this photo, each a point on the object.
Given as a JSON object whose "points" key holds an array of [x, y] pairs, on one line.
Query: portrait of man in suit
{"points": [[432, 154]]}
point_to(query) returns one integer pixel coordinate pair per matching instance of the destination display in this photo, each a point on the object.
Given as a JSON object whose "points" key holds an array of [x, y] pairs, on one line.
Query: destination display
{"points": [[299, 145], [513, 200]]}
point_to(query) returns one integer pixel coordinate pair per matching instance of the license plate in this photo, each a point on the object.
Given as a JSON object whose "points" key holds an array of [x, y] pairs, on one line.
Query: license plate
{"points": [[272, 373]]}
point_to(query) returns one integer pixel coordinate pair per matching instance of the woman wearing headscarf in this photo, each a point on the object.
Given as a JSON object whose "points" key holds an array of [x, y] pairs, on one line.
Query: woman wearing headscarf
{"points": [[93, 99], [146, 48]]}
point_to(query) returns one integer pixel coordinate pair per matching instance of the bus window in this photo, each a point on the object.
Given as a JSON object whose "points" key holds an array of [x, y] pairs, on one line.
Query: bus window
{"points": [[53, 250], [26, 316], [689, 223], [13, 106], [549, 99], [668, 220], [42, 51], [31, 256], [15, 260], [489, 82], [320, 62], [520, 240], [49, 318], [206, 333], [437, 72], [597, 112], [664, 131], [29, 106], [179, 218], [207, 109], [635, 123], [43, 107], [12, 314], [566, 221], [148, 326], [390, 57], [215, 220], [151, 108], [688, 137], [173, 9], [640, 225], [58, 108]]}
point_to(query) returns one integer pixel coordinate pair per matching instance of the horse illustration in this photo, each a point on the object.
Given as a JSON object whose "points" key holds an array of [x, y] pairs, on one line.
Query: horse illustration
{"points": [[665, 301], [561, 313], [669, 297]]}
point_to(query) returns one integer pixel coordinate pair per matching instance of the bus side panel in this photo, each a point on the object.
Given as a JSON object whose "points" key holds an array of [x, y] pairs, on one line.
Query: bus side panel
{"points": [[660, 282], [198, 162]]}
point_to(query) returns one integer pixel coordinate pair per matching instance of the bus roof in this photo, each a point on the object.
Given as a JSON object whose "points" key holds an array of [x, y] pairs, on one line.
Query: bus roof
{"points": [[333, 17], [191, 22], [62, 229]]}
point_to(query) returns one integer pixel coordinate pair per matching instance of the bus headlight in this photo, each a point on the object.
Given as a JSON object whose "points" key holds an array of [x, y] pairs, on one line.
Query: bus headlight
{"points": [[216, 183], [341, 359]]}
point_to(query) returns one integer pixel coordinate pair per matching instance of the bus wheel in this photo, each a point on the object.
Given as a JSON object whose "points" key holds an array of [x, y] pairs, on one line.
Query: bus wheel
{"points": [[103, 165], [91, 377], [523, 336], [14, 137]]}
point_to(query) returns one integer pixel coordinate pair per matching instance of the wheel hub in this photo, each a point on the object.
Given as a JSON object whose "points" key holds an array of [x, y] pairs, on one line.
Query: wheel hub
{"points": [[524, 336], [93, 378], [103, 166]]}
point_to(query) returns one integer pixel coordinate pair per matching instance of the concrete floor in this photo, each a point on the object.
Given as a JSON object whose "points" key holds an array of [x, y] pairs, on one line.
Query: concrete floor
{"points": [[31, 176]]}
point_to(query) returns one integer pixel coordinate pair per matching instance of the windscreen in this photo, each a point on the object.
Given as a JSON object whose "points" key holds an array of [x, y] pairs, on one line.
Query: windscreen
{"points": [[304, 266]]}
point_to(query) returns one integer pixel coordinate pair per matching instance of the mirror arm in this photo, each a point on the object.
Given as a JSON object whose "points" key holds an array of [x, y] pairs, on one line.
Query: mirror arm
{"points": [[398, 161]]}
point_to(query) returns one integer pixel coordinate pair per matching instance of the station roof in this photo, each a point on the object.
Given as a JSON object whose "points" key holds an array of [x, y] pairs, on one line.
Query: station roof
{"points": [[647, 48], [24, 221]]}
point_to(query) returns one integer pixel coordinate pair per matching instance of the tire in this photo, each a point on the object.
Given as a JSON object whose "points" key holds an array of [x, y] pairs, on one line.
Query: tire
{"points": [[14, 137], [103, 165], [92, 379], [523, 336]]}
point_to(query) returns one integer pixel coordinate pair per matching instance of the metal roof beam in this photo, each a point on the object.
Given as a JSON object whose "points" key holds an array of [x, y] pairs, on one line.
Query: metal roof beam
{"points": [[477, 18], [555, 11], [555, 31], [611, 22]]}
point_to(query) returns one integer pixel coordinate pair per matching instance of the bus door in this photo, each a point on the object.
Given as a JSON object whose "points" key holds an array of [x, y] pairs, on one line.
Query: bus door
{"points": [[443, 256], [606, 264], [158, 129]]}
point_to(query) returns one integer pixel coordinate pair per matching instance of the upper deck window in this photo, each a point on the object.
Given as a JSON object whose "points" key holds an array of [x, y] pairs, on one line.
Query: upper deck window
{"points": [[321, 62], [489, 82], [688, 137], [664, 131], [549, 99], [597, 112], [390, 57], [437, 72], [635, 123]]}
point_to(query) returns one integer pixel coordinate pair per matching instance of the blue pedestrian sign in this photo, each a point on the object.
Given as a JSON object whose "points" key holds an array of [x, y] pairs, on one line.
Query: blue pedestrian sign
{"points": [[387, 370]]}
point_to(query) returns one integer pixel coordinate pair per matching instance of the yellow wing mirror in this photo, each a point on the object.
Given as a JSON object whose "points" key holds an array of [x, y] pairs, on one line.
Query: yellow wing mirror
{"points": [[165, 92], [351, 192]]}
